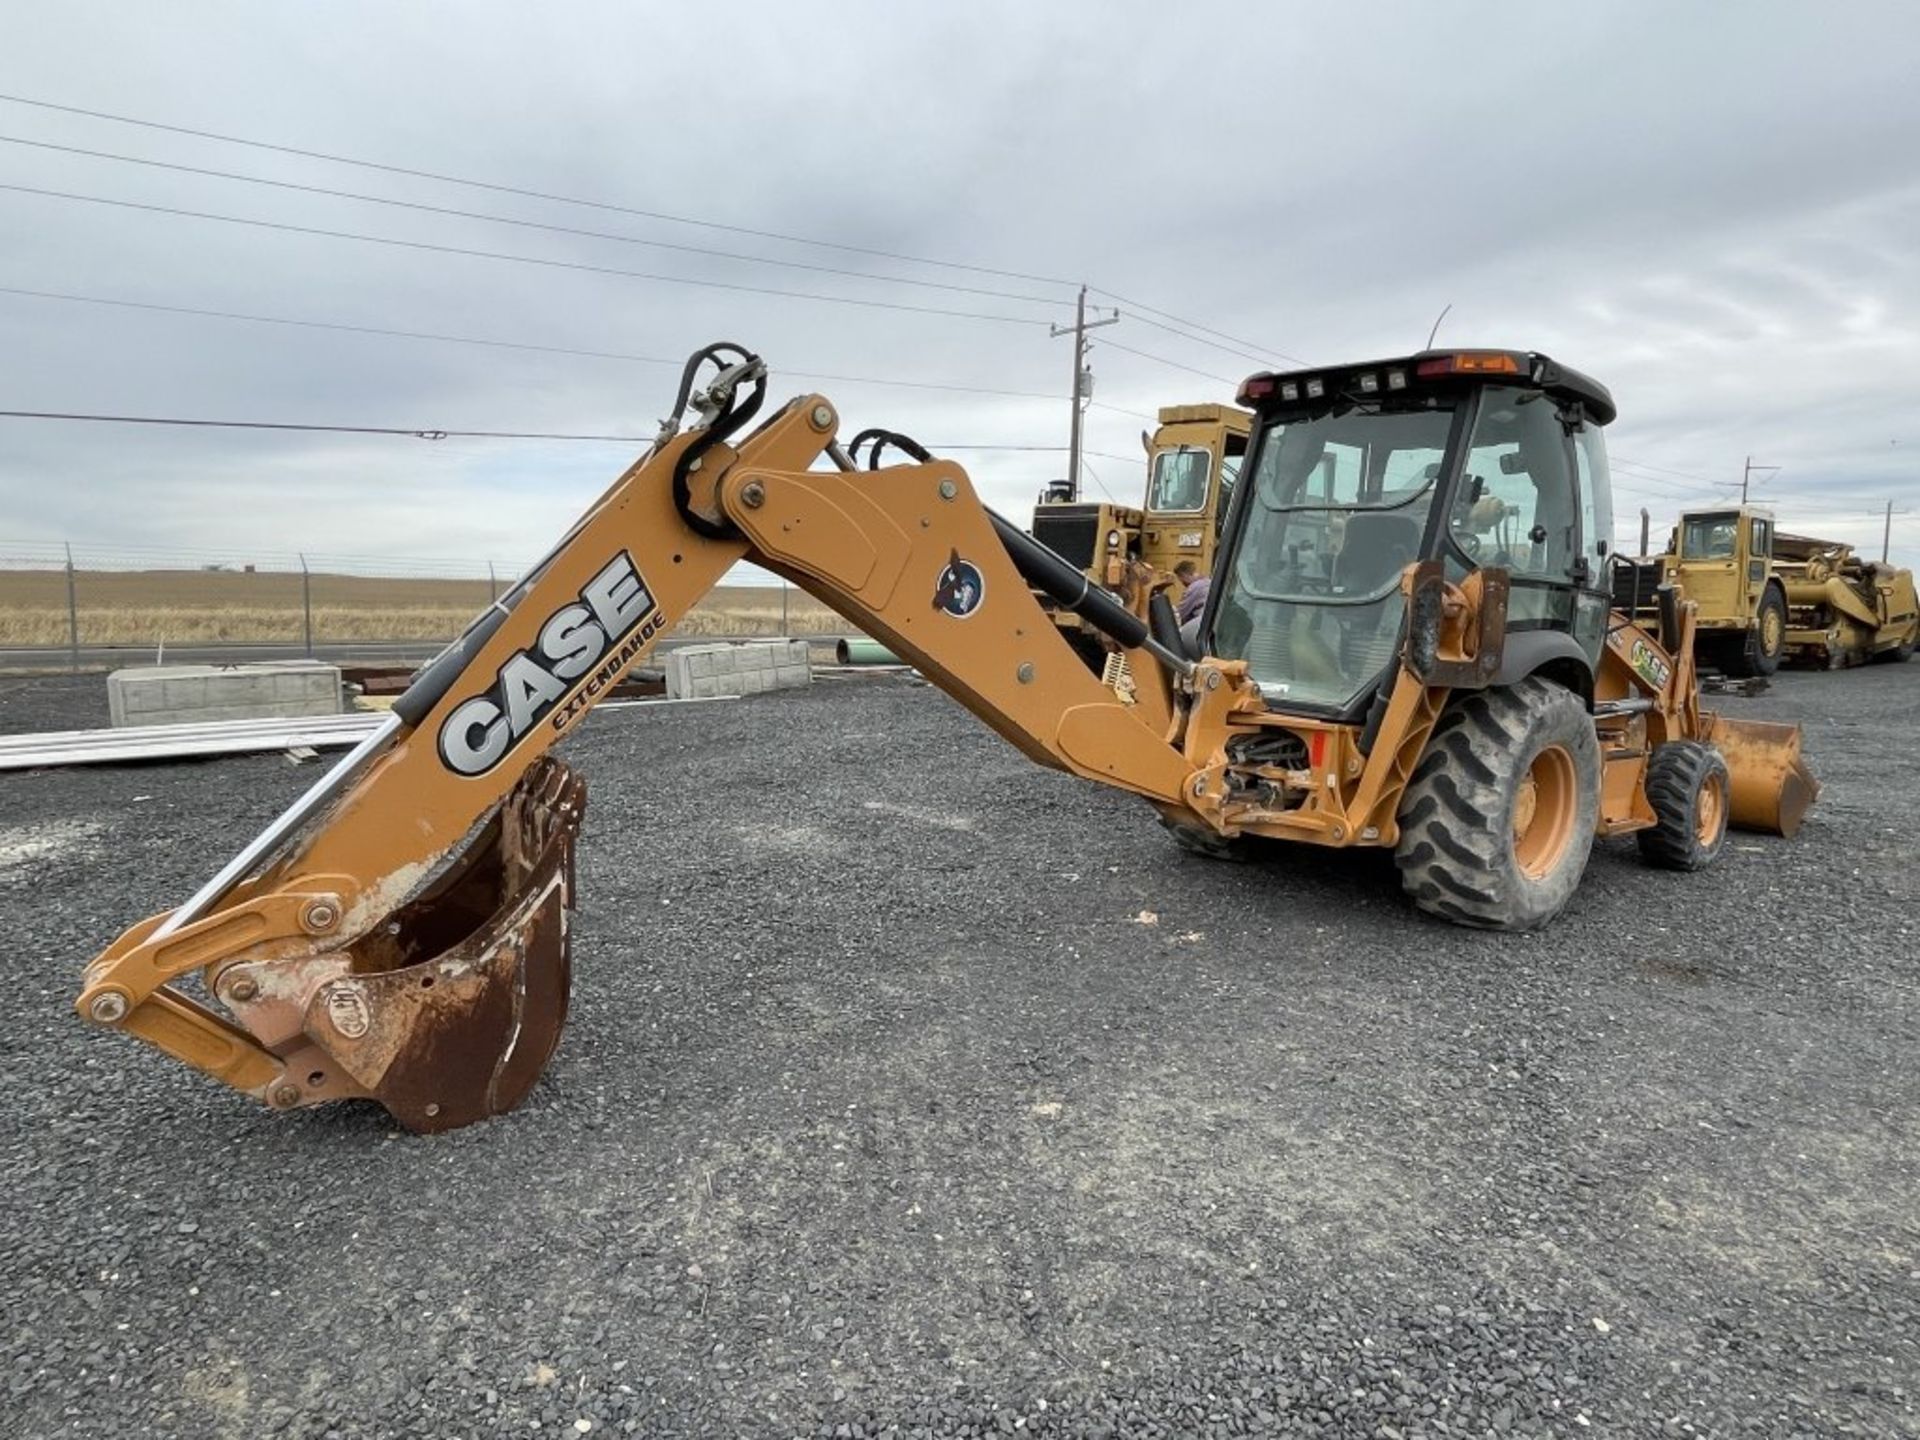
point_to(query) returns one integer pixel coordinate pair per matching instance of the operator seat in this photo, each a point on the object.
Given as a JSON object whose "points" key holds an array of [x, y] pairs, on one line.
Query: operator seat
{"points": [[1377, 547]]}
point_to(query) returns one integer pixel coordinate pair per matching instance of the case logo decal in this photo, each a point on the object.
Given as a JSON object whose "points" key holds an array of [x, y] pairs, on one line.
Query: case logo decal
{"points": [[1649, 666], [960, 589], [607, 627]]}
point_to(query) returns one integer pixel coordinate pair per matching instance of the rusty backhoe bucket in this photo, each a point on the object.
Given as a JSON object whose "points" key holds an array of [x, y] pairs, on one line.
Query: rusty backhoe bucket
{"points": [[446, 1012], [1772, 787]]}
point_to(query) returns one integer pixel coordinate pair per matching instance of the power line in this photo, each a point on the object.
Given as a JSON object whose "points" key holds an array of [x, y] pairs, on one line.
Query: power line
{"points": [[534, 224], [1096, 479], [1632, 472], [1663, 470], [1264, 362], [1163, 360], [410, 432], [610, 207], [1119, 410], [499, 344], [521, 259], [500, 189], [1190, 324]]}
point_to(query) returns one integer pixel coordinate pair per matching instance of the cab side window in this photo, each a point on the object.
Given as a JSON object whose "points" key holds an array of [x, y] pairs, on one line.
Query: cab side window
{"points": [[1759, 549], [1517, 502], [1596, 499]]}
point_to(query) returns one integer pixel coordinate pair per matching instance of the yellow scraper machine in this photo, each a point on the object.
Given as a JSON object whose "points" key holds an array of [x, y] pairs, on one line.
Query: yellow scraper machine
{"points": [[1765, 598], [1408, 644]]}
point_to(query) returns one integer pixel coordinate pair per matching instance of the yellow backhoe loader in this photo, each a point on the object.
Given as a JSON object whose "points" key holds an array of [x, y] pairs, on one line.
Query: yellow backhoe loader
{"points": [[1408, 645]]}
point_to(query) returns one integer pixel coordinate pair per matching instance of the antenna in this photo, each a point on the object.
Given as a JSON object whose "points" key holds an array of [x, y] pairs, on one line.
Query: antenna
{"points": [[1436, 324]]}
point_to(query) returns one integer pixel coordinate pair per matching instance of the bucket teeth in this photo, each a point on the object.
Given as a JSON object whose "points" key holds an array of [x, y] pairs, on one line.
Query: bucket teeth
{"points": [[449, 1012]]}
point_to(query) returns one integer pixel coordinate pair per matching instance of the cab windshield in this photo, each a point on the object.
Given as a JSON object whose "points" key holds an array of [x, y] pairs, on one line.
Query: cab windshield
{"points": [[1709, 537], [1311, 599], [1179, 481]]}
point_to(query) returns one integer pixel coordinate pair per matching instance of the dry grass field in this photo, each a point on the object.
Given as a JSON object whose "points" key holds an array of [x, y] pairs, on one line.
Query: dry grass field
{"points": [[181, 607]]}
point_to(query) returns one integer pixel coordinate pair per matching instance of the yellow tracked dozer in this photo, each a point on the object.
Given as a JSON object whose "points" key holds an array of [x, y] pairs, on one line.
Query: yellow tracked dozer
{"points": [[1408, 645]]}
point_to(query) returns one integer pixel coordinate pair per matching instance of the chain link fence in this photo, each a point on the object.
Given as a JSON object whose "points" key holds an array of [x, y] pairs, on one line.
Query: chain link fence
{"points": [[84, 606]]}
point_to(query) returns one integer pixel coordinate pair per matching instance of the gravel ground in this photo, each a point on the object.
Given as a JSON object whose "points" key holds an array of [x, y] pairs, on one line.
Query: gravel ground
{"points": [[880, 1112]]}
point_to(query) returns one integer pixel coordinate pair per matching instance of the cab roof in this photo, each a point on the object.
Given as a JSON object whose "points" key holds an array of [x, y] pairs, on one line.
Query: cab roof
{"points": [[1427, 372]]}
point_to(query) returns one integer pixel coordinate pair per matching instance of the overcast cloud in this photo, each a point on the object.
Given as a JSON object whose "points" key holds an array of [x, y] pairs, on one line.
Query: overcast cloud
{"points": [[1712, 208]]}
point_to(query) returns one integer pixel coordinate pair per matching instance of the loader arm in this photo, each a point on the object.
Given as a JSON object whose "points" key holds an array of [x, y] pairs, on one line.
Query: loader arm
{"points": [[400, 934]]}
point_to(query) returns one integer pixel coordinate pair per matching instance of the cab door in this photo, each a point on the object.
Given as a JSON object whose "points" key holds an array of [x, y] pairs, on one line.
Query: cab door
{"points": [[1759, 558]]}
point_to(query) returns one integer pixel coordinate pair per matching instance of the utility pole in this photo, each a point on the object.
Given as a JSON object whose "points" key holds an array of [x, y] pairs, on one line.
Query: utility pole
{"points": [[1082, 388], [1746, 474], [1886, 535]]}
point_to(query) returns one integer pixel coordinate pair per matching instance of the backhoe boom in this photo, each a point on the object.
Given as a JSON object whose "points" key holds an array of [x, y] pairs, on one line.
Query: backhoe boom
{"points": [[348, 942]]}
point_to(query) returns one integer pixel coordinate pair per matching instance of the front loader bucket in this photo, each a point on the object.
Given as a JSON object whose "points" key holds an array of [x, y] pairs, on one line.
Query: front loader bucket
{"points": [[448, 1012], [1772, 787]]}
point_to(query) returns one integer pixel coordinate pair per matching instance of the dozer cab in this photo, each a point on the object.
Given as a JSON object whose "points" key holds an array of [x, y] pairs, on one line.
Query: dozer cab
{"points": [[1193, 458], [1409, 647]]}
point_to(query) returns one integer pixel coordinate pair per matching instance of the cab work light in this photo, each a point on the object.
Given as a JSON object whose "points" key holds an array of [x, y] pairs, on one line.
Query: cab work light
{"points": [[1469, 362]]}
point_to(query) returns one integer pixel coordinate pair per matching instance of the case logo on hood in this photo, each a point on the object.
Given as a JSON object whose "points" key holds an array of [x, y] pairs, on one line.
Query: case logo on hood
{"points": [[596, 636]]}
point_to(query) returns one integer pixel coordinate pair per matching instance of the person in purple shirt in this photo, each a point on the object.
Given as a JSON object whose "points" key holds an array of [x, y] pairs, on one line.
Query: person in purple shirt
{"points": [[1194, 596]]}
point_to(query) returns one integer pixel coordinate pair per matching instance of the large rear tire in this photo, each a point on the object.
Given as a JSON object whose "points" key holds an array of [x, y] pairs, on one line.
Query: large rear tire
{"points": [[1767, 645], [1498, 821], [1691, 795]]}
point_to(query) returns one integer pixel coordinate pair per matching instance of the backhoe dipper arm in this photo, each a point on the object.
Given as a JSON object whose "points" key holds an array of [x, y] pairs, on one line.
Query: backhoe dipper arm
{"points": [[363, 950]]}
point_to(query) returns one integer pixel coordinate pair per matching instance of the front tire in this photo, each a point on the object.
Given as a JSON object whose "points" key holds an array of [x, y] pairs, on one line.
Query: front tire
{"points": [[1688, 787], [1499, 818]]}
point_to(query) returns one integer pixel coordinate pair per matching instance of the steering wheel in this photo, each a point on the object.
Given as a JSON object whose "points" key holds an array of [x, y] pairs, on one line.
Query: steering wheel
{"points": [[1468, 542]]}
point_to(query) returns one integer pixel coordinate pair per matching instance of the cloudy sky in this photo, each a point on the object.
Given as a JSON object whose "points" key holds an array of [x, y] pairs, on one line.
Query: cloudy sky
{"points": [[1715, 208]]}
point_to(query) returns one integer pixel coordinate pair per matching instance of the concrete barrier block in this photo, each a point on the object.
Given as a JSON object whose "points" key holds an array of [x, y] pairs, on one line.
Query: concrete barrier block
{"points": [[749, 668], [190, 694], [674, 670]]}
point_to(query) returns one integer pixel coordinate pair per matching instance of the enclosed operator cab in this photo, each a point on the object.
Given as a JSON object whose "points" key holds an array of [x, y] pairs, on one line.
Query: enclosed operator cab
{"points": [[1722, 559], [1474, 458], [1193, 460]]}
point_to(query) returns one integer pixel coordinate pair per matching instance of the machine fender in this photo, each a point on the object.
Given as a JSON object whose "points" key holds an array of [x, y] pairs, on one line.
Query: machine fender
{"points": [[1531, 651]]}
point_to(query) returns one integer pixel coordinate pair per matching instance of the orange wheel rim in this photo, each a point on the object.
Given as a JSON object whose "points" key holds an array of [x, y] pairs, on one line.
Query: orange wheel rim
{"points": [[1543, 812], [1710, 815]]}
